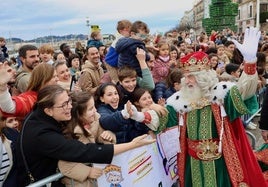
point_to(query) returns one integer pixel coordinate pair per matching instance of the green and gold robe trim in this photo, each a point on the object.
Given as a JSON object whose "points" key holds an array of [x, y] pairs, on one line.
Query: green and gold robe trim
{"points": [[236, 107], [199, 127]]}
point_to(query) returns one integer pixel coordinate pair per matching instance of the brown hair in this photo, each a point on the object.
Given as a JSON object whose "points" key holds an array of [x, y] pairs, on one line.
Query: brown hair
{"points": [[136, 95], [46, 48], [23, 49], [40, 75], [139, 25], [123, 24], [101, 90], [79, 107], [2, 39], [175, 75], [125, 72], [46, 97]]}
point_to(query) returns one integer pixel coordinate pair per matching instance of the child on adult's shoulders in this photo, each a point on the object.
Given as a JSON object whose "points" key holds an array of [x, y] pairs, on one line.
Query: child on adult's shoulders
{"points": [[126, 47]]}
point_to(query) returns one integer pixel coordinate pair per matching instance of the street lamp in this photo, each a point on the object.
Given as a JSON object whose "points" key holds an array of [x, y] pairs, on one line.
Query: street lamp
{"points": [[87, 22]]}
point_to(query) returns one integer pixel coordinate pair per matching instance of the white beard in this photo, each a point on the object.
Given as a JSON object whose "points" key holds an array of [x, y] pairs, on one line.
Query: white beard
{"points": [[191, 94]]}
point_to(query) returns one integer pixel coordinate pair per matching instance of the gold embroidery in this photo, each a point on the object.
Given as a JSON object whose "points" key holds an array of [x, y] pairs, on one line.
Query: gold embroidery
{"points": [[208, 150], [237, 100], [243, 184], [200, 103]]}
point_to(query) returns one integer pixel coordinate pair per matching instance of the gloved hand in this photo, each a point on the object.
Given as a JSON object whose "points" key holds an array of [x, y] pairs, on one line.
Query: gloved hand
{"points": [[137, 116], [124, 112], [250, 44]]}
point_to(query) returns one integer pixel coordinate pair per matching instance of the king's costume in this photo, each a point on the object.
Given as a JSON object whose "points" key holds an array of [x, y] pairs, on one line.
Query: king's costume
{"points": [[214, 149]]}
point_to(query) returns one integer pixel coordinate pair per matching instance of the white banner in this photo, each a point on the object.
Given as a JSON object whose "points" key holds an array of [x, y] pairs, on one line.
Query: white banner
{"points": [[153, 165]]}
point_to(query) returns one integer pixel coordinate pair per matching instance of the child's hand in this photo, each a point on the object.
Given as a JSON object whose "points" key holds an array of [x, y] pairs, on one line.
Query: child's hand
{"points": [[140, 54], [108, 136], [160, 110], [173, 62], [94, 173], [127, 111], [161, 101]]}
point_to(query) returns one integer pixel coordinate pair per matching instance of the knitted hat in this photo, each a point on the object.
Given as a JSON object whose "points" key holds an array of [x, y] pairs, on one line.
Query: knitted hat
{"points": [[196, 61]]}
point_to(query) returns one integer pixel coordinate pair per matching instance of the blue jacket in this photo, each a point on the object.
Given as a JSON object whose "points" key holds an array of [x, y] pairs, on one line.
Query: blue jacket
{"points": [[169, 91], [124, 129], [96, 43], [159, 91], [111, 57], [127, 49]]}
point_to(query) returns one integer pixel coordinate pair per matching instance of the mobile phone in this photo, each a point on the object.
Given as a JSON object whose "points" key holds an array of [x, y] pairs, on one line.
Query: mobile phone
{"points": [[73, 82]]}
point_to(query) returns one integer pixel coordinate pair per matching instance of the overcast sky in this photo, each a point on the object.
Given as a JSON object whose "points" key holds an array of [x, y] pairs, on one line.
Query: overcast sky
{"points": [[28, 19]]}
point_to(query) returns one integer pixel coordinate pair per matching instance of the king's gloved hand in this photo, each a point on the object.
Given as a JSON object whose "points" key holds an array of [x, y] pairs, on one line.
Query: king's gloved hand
{"points": [[250, 44], [137, 116], [124, 112]]}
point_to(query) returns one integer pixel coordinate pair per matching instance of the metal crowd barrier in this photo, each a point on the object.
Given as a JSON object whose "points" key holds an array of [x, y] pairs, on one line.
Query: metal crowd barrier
{"points": [[46, 181]]}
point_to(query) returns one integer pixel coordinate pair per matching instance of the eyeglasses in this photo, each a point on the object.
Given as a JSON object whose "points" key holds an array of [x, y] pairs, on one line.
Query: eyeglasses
{"points": [[64, 105]]}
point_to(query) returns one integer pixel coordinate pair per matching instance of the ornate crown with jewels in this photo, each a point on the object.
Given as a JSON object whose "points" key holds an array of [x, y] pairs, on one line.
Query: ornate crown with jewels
{"points": [[196, 61]]}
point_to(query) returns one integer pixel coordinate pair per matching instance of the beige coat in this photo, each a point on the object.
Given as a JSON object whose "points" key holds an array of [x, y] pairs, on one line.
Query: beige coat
{"points": [[77, 173], [90, 77]]}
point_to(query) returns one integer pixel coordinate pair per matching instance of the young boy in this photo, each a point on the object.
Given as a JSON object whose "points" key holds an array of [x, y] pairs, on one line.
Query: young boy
{"points": [[46, 53], [126, 47], [111, 58], [128, 79], [232, 72]]}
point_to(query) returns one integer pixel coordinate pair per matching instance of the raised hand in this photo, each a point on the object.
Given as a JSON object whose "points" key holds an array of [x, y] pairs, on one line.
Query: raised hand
{"points": [[137, 116], [250, 44], [6, 73], [127, 111], [140, 55]]}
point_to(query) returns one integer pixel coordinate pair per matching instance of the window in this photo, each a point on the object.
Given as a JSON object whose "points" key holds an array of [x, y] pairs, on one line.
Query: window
{"points": [[250, 11]]}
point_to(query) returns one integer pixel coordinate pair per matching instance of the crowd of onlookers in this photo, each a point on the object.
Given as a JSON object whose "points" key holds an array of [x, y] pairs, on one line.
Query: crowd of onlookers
{"points": [[107, 94]]}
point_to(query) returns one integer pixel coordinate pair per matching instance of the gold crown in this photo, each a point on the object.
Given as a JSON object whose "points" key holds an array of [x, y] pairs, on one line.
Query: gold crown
{"points": [[196, 61], [111, 167]]}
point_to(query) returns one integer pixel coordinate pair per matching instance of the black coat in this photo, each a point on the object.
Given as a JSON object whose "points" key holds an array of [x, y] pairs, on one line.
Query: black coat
{"points": [[44, 144], [263, 123]]}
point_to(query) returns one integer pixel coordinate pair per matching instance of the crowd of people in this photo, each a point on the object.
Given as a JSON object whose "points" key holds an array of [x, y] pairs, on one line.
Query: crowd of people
{"points": [[60, 110]]}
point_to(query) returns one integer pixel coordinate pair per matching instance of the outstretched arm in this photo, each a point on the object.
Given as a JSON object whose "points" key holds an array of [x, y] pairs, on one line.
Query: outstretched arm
{"points": [[136, 142], [247, 83]]}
